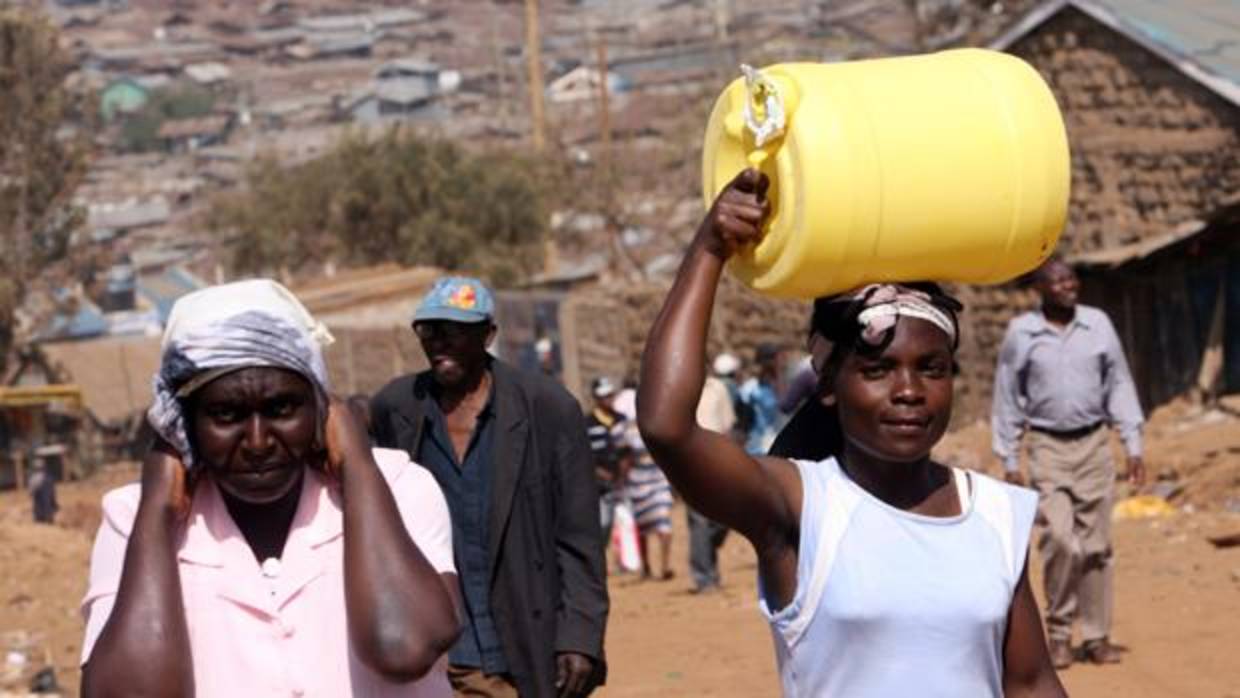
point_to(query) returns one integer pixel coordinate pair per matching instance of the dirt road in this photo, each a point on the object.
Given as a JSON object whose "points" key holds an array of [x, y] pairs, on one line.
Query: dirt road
{"points": [[1178, 605]]}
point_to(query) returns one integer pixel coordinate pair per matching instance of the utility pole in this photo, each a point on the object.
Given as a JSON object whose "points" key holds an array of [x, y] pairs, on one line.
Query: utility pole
{"points": [[604, 105], [722, 18], [500, 70], [533, 53], [606, 173], [607, 185]]}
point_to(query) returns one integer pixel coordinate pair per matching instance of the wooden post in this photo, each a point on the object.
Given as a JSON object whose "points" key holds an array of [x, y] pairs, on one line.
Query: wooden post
{"points": [[533, 53], [398, 359], [570, 354], [604, 112], [1207, 387], [606, 182], [501, 70]]}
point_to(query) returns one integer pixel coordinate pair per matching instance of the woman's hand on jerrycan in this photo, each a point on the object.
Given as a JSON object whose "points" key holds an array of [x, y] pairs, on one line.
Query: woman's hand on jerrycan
{"points": [[346, 436], [737, 217]]}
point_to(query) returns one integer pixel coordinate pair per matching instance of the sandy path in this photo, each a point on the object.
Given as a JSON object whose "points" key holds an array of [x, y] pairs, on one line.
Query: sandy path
{"points": [[1178, 610]]}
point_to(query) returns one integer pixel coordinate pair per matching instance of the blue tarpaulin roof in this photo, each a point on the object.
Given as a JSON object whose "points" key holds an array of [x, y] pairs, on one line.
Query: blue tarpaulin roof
{"points": [[86, 322], [163, 289], [1200, 37]]}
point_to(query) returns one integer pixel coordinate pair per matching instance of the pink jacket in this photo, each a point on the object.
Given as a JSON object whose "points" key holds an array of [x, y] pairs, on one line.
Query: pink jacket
{"points": [[277, 629]]}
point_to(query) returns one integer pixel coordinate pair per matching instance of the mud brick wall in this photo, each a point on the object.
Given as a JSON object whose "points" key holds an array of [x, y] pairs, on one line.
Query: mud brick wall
{"points": [[987, 310], [1151, 148], [364, 360], [613, 319]]}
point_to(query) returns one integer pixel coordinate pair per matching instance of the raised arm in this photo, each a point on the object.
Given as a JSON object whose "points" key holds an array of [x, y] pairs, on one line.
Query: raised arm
{"points": [[760, 498], [1006, 420], [1122, 404], [402, 617], [143, 648]]}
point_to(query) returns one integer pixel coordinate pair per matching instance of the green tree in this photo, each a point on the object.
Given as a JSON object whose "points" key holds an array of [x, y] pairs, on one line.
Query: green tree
{"points": [[43, 155], [395, 198]]}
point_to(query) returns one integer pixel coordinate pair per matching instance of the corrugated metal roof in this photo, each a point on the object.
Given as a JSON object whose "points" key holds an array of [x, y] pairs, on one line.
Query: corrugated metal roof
{"points": [[1199, 37], [354, 287], [404, 92], [405, 67], [1111, 257], [128, 214], [1221, 224], [210, 125]]}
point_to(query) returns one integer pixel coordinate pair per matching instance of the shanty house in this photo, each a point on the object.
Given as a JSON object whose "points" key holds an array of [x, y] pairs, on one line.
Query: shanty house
{"points": [[396, 102], [1150, 95], [179, 135], [122, 96], [582, 83], [41, 418], [406, 89], [1175, 300]]}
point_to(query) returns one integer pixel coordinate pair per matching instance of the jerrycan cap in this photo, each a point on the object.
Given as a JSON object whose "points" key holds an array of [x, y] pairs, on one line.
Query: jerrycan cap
{"points": [[764, 109]]}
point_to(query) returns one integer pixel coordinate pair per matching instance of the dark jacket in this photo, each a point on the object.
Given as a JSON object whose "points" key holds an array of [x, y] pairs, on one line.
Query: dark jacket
{"points": [[548, 580]]}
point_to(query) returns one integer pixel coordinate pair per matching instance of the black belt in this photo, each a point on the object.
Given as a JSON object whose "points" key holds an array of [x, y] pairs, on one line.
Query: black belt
{"points": [[1068, 434]]}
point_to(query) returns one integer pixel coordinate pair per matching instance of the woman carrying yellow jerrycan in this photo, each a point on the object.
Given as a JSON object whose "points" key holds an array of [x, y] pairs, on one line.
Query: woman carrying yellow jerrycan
{"points": [[882, 572]]}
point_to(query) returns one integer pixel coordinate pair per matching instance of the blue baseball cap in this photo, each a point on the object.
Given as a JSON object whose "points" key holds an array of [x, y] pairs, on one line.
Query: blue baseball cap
{"points": [[457, 299]]}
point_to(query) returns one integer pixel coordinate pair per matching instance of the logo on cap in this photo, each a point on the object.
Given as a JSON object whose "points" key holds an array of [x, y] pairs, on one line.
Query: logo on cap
{"points": [[464, 297]]}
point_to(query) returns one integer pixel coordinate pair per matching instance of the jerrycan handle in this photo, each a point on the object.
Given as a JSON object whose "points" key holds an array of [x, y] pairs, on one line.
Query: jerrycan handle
{"points": [[764, 110]]}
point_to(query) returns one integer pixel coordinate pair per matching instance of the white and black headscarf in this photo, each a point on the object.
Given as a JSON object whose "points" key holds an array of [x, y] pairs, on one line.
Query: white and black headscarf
{"points": [[221, 329]]}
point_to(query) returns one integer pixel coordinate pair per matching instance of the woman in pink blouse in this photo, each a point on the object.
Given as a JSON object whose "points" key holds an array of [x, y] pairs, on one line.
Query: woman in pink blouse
{"points": [[268, 549]]}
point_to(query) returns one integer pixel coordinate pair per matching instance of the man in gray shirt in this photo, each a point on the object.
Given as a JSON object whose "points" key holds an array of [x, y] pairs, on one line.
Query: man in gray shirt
{"points": [[1062, 377]]}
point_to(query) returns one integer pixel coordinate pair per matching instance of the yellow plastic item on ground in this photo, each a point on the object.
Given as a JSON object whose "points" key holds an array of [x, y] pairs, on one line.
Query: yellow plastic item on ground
{"points": [[1143, 506], [950, 166]]}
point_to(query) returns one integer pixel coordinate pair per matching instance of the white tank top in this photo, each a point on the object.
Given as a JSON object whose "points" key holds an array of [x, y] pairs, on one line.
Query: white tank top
{"points": [[892, 603]]}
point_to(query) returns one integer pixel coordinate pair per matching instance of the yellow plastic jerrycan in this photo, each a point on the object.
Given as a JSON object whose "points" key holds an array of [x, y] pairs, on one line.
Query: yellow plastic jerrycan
{"points": [[950, 166]]}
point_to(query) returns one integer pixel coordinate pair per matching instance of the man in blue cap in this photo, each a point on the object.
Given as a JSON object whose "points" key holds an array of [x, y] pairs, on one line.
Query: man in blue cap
{"points": [[510, 452]]}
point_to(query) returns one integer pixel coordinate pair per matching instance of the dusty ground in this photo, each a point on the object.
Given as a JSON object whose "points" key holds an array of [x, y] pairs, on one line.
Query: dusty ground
{"points": [[1177, 603], [43, 577], [1178, 597]]}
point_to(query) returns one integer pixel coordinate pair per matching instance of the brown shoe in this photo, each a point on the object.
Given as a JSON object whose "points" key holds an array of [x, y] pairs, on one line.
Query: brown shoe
{"points": [[1100, 652], [1061, 654]]}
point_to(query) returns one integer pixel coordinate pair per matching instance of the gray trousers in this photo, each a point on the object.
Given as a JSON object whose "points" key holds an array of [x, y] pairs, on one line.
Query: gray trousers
{"points": [[705, 537], [607, 516], [1075, 480]]}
